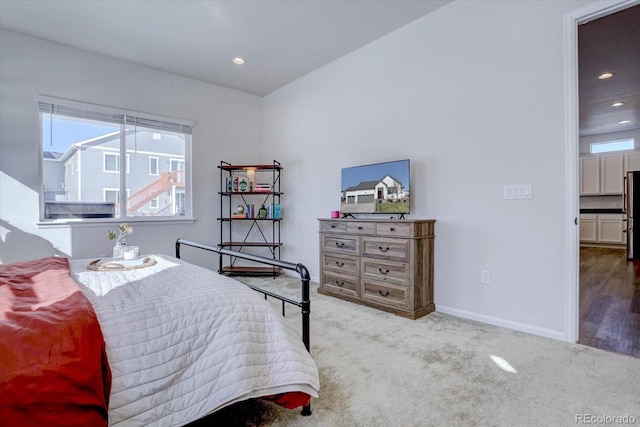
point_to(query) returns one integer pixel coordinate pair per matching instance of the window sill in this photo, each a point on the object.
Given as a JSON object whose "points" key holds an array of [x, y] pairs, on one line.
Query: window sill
{"points": [[91, 222]]}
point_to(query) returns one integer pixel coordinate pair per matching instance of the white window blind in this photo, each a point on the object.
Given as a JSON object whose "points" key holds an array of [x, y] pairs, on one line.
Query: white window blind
{"points": [[106, 114]]}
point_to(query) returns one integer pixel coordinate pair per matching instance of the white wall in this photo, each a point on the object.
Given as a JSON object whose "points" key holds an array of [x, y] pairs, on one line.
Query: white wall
{"points": [[473, 94], [227, 123]]}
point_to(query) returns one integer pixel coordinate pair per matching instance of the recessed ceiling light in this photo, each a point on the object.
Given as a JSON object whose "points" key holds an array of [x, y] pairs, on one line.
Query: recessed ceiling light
{"points": [[624, 122], [606, 75], [617, 104], [238, 60]]}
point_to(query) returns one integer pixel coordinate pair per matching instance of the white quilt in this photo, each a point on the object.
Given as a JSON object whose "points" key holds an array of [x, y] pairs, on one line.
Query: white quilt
{"points": [[184, 341]]}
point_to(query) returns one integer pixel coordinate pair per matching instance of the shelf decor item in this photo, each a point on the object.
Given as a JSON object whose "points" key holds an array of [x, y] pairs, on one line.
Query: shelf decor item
{"points": [[243, 185], [131, 252], [118, 250], [262, 212], [276, 211]]}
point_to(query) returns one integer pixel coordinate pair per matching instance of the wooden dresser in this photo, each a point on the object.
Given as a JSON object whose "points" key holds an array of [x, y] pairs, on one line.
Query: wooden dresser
{"points": [[385, 264]]}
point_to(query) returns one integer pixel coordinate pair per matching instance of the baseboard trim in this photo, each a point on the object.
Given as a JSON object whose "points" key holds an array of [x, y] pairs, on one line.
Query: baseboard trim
{"points": [[521, 327]]}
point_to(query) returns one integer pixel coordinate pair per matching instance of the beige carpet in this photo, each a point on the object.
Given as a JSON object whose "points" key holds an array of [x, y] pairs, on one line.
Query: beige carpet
{"points": [[377, 369]]}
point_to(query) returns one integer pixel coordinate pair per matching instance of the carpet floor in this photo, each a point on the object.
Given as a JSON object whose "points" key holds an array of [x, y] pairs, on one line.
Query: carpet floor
{"points": [[377, 369]]}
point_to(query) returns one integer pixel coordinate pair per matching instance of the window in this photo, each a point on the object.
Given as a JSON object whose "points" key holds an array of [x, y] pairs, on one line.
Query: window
{"points": [[86, 147], [111, 195], [153, 166], [111, 162], [608, 146]]}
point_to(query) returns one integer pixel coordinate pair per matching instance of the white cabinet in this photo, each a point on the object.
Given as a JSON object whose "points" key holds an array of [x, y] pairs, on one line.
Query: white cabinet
{"points": [[632, 161], [589, 228], [611, 172], [603, 228], [589, 176], [601, 175], [611, 229]]}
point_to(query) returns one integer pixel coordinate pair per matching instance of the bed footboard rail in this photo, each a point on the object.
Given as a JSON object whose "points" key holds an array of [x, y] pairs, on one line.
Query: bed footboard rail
{"points": [[304, 303]]}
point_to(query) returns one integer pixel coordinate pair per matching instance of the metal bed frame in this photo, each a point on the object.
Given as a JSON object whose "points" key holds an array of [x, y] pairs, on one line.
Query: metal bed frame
{"points": [[304, 303]]}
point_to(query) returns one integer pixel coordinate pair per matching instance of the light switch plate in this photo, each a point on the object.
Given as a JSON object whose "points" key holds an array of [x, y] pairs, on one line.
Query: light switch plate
{"points": [[518, 191]]}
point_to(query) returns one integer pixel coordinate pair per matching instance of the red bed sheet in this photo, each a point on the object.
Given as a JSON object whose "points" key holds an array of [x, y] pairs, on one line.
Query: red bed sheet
{"points": [[290, 400], [53, 363]]}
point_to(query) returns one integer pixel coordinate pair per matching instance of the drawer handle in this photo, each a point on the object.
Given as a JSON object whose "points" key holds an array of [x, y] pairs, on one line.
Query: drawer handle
{"points": [[339, 283], [392, 229], [383, 272], [359, 227], [333, 226], [340, 264], [340, 244], [383, 249], [386, 294]]}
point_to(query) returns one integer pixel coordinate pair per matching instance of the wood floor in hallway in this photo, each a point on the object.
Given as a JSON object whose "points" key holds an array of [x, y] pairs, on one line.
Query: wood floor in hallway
{"points": [[609, 301]]}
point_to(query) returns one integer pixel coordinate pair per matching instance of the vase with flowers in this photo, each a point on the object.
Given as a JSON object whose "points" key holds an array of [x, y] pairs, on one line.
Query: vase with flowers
{"points": [[120, 244]]}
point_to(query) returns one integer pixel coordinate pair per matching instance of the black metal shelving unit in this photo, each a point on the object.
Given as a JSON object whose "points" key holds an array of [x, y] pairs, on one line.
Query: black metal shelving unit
{"points": [[239, 186]]}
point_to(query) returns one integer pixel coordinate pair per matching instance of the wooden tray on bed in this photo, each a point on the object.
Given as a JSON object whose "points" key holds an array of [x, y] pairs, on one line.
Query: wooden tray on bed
{"points": [[108, 264]]}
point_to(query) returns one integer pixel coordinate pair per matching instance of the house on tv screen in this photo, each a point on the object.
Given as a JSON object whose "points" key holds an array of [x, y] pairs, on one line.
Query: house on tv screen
{"points": [[384, 195]]}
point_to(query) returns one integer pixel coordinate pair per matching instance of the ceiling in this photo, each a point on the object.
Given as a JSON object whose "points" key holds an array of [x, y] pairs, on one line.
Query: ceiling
{"points": [[610, 43], [286, 39], [280, 40]]}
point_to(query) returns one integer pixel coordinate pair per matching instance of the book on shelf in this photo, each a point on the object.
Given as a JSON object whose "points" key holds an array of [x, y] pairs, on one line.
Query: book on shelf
{"points": [[251, 210], [262, 187], [274, 210], [238, 215]]}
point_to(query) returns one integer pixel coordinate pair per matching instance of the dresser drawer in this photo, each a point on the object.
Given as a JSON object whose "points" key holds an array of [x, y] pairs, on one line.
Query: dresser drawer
{"points": [[361, 228], [386, 271], [340, 263], [338, 283], [333, 226], [389, 294], [389, 249], [391, 229], [341, 244]]}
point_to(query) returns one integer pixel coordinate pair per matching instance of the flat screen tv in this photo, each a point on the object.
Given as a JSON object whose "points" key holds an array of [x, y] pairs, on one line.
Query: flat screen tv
{"points": [[380, 188]]}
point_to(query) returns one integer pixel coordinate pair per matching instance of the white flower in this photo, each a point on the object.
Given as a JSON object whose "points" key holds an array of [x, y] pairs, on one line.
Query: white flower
{"points": [[125, 228]]}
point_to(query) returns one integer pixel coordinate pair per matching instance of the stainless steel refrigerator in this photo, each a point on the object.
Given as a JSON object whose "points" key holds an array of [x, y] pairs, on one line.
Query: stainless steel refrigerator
{"points": [[631, 206]]}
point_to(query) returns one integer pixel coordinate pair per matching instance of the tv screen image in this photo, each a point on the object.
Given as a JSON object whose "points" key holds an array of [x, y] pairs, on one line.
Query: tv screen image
{"points": [[380, 188]]}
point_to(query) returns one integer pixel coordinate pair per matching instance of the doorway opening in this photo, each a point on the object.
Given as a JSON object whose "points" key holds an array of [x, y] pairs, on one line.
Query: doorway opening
{"points": [[604, 299]]}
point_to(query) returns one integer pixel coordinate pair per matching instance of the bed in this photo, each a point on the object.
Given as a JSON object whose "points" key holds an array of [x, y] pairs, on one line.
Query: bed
{"points": [[164, 345]]}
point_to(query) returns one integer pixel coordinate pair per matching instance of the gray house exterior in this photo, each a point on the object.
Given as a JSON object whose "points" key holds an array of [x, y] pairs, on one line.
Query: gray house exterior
{"points": [[88, 174]]}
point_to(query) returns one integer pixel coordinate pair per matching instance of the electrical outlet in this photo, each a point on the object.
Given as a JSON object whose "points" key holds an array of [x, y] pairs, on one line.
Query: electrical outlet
{"points": [[486, 277]]}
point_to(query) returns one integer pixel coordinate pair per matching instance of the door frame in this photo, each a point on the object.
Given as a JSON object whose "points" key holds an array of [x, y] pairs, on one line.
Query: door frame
{"points": [[572, 20]]}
